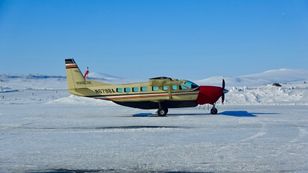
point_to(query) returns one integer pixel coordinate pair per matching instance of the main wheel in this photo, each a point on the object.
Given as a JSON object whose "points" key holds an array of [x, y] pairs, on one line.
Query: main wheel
{"points": [[214, 111], [162, 111]]}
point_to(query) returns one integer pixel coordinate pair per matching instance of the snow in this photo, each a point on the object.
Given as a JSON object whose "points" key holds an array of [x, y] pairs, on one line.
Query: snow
{"points": [[261, 128], [288, 94]]}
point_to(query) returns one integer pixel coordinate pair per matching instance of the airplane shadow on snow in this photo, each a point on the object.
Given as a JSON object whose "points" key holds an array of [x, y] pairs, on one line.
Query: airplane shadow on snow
{"points": [[178, 114], [238, 113]]}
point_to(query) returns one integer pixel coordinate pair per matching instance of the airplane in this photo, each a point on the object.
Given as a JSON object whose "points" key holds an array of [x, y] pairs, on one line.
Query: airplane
{"points": [[159, 93]]}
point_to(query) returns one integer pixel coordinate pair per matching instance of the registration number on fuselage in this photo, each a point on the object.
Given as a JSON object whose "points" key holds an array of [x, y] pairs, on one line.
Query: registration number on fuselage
{"points": [[104, 91]]}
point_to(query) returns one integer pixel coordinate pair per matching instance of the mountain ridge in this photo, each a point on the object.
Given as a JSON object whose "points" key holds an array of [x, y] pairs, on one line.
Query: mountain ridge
{"points": [[263, 78]]}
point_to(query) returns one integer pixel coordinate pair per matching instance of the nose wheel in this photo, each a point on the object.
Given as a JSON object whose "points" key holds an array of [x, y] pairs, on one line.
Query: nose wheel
{"points": [[214, 110]]}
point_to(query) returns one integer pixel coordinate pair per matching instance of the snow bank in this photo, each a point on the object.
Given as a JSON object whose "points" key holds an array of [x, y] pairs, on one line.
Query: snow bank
{"points": [[75, 100], [289, 94]]}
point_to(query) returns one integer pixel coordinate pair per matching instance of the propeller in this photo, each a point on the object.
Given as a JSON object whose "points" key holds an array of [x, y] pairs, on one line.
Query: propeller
{"points": [[224, 91]]}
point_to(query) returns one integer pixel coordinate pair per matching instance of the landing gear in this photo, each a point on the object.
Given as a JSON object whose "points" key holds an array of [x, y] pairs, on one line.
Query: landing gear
{"points": [[214, 111], [162, 112]]}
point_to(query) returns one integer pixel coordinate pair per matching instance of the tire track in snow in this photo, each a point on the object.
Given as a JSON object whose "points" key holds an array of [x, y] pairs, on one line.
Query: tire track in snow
{"points": [[260, 133], [287, 148], [302, 132]]}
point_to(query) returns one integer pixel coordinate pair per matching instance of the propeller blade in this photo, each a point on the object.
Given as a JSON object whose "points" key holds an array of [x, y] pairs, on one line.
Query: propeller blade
{"points": [[223, 91]]}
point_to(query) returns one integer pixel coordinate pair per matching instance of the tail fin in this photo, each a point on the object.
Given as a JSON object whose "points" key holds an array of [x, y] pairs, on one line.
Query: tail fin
{"points": [[74, 76], [77, 84]]}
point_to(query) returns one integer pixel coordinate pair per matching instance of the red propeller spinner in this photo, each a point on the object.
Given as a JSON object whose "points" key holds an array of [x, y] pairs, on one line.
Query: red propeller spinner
{"points": [[210, 94]]}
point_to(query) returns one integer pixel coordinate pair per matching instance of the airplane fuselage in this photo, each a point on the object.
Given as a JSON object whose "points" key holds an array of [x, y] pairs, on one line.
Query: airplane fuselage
{"points": [[145, 95]]}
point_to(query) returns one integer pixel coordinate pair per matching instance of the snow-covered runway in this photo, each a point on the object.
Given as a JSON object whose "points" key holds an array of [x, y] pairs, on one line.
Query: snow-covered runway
{"points": [[66, 137]]}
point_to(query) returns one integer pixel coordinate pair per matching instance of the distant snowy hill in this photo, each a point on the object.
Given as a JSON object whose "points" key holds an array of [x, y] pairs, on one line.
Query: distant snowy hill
{"points": [[258, 79], [20, 82], [38, 81]]}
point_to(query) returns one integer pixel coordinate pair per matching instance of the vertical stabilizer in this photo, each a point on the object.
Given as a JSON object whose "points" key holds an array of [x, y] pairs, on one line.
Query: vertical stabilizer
{"points": [[74, 76]]}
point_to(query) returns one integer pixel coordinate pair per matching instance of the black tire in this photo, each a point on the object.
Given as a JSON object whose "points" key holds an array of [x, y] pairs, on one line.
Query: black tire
{"points": [[214, 111], [162, 112]]}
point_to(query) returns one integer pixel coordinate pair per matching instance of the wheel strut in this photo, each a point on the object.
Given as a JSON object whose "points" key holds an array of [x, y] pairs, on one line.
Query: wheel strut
{"points": [[214, 110]]}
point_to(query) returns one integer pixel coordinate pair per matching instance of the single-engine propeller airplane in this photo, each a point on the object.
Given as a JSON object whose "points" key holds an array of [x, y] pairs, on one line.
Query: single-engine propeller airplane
{"points": [[159, 93]]}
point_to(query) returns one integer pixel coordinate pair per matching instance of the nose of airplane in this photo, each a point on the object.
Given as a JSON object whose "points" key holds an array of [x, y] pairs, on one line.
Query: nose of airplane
{"points": [[210, 94]]}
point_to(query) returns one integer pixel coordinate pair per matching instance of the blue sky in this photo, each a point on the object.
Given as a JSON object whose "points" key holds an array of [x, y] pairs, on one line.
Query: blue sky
{"points": [[140, 39]]}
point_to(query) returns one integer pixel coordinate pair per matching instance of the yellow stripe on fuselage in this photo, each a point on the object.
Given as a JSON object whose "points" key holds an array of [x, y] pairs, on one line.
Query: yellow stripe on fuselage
{"points": [[178, 96]]}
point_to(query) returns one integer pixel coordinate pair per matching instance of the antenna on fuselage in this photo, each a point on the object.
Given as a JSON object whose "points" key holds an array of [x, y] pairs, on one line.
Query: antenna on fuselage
{"points": [[86, 73]]}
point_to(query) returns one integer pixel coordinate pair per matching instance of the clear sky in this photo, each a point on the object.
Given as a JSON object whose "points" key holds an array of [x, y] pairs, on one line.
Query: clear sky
{"points": [[139, 39]]}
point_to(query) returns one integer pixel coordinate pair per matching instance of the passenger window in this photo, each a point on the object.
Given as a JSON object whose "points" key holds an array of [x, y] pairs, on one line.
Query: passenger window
{"points": [[165, 88], [135, 89], [144, 88], [174, 87], [126, 90], [119, 90], [155, 88]]}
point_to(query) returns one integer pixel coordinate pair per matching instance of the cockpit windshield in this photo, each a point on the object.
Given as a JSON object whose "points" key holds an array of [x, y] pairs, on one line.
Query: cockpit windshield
{"points": [[189, 85]]}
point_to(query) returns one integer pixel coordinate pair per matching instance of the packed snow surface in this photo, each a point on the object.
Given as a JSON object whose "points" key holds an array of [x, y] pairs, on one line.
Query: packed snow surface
{"points": [[57, 137]]}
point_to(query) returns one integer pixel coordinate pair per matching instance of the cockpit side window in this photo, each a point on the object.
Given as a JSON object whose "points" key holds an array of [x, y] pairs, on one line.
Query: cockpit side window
{"points": [[188, 85]]}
